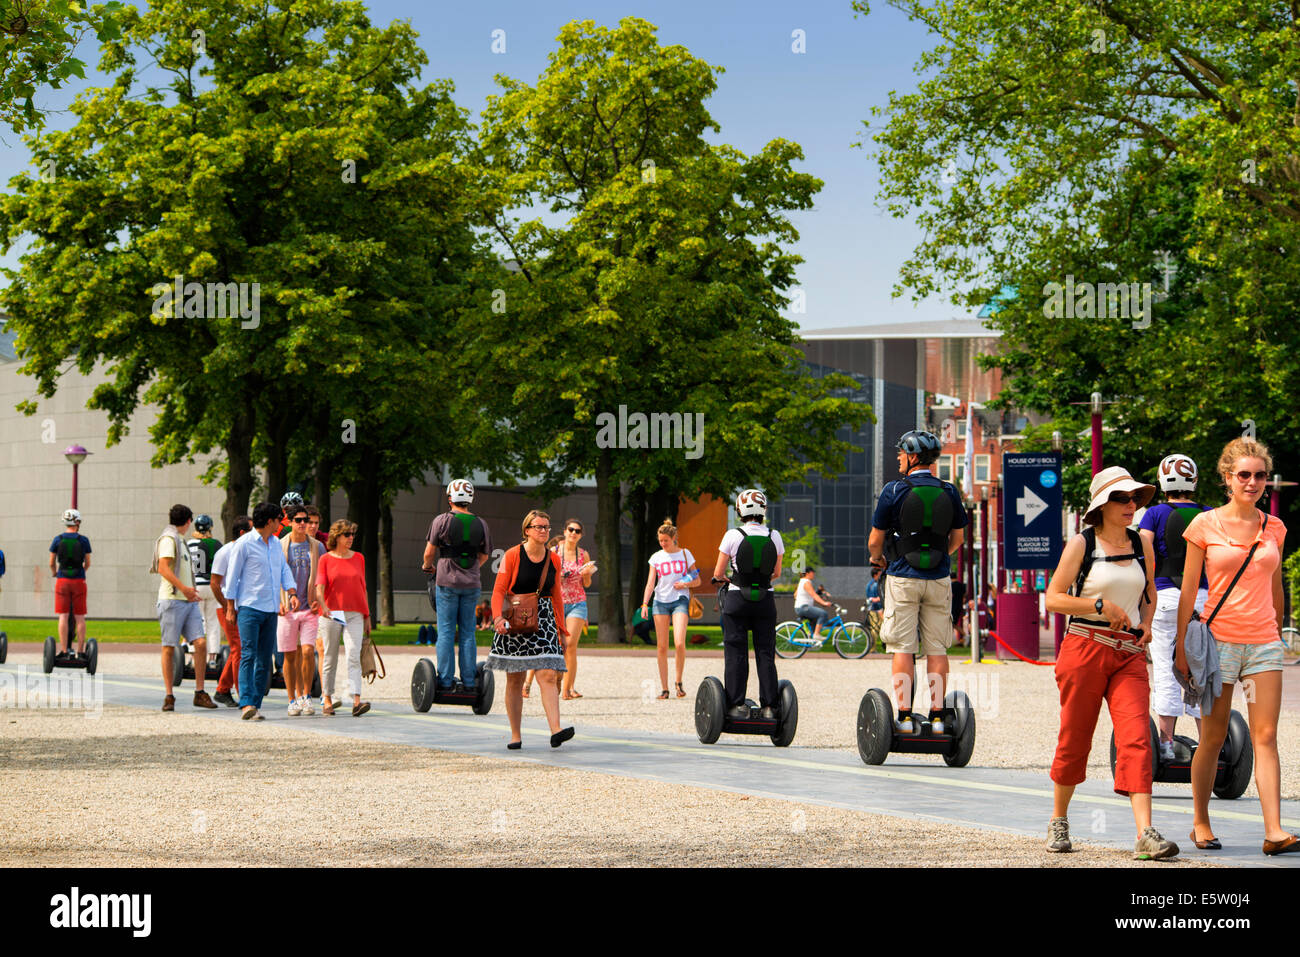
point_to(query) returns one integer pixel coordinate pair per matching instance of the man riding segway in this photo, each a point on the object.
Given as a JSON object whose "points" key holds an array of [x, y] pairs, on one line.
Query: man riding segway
{"points": [[70, 551], [917, 524]]}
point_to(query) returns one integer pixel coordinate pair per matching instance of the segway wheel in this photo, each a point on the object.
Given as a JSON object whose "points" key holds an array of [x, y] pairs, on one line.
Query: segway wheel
{"points": [[1239, 759], [710, 710], [422, 683], [789, 714], [875, 726], [178, 666], [92, 655], [785, 646], [47, 658], [486, 683], [964, 743], [222, 657], [4, 647]]}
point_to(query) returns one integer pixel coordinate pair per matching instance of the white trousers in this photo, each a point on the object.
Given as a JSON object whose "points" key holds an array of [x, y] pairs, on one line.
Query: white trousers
{"points": [[329, 633], [1166, 693]]}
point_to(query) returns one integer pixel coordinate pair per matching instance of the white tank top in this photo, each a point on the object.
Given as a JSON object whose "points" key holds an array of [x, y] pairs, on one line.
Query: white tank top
{"points": [[1118, 582]]}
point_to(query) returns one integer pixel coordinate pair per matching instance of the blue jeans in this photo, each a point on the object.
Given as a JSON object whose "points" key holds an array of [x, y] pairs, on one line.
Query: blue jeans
{"points": [[257, 644], [456, 611]]}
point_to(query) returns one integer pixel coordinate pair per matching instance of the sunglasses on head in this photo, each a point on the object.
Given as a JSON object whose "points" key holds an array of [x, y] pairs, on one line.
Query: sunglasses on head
{"points": [[1122, 498], [1244, 477]]}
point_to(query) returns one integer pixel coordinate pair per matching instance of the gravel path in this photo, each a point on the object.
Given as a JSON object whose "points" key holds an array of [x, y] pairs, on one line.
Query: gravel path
{"points": [[416, 806]]}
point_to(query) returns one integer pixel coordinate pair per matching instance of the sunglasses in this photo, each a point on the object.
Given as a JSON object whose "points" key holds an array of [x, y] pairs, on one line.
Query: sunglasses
{"points": [[544, 528], [577, 530], [1244, 477], [300, 519], [347, 534], [1122, 498]]}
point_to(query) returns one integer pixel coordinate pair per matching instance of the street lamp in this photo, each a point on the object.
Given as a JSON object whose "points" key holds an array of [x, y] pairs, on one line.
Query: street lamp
{"points": [[76, 455], [1096, 432]]}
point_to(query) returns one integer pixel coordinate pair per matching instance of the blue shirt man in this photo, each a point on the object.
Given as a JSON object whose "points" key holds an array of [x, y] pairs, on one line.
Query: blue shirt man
{"points": [[254, 576]]}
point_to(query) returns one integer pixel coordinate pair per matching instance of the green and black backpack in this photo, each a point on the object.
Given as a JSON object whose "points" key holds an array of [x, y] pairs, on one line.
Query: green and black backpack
{"points": [[1171, 563], [466, 539], [925, 517], [755, 561], [70, 553]]}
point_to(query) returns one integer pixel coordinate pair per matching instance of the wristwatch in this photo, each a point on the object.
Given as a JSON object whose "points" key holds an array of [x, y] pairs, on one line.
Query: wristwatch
{"points": [[1099, 604]]}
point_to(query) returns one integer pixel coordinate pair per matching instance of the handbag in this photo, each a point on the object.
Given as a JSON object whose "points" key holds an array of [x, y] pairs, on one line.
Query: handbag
{"points": [[520, 611], [696, 609], [372, 664]]}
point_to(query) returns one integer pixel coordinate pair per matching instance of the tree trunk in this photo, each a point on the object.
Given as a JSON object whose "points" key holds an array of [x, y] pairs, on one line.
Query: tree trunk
{"points": [[636, 506], [239, 471], [363, 511], [277, 458], [610, 623], [324, 485], [386, 609]]}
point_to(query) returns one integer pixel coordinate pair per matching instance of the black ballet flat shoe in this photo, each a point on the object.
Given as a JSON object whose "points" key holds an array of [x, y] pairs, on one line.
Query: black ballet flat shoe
{"points": [[559, 737], [515, 745]]}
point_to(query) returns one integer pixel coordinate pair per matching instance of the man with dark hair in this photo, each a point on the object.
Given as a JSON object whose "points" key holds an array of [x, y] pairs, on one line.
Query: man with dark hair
{"points": [[918, 523], [70, 552], [255, 575], [220, 562], [178, 605]]}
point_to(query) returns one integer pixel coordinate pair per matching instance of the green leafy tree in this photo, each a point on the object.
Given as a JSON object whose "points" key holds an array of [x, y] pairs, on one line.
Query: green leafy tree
{"points": [[655, 285], [37, 40], [1114, 142]]}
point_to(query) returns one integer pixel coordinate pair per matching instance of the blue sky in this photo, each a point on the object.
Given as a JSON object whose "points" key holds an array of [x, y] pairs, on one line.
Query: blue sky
{"points": [[818, 99]]}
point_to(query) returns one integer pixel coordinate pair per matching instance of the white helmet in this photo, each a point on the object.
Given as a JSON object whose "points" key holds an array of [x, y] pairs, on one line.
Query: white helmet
{"points": [[461, 491], [1177, 474], [751, 503], [71, 517]]}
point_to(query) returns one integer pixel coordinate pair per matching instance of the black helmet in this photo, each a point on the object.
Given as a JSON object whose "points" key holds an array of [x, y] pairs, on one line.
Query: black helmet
{"points": [[203, 523], [919, 443]]}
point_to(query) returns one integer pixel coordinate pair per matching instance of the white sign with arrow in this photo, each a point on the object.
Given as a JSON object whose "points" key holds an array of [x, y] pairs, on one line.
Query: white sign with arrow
{"points": [[1029, 506]]}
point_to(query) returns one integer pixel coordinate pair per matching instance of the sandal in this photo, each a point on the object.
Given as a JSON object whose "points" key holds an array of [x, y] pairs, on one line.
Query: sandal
{"points": [[680, 692], [327, 708], [359, 709], [524, 694], [663, 695]]}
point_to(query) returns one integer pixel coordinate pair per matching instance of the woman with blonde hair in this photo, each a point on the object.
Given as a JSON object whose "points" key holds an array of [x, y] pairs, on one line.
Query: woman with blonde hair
{"points": [[530, 569], [672, 575], [341, 592], [1240, 549]]}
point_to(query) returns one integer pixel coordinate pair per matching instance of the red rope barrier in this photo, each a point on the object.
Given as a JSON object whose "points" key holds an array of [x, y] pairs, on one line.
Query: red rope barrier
{"points": [[995, 637]]}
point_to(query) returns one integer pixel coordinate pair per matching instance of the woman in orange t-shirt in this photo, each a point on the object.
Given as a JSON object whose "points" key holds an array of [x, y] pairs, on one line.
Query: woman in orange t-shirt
{"points": [[1247, 633]]}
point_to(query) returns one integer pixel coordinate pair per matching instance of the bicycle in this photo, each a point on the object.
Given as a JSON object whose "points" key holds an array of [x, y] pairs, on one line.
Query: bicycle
{"points": [[1291, 638], [849, 638]]}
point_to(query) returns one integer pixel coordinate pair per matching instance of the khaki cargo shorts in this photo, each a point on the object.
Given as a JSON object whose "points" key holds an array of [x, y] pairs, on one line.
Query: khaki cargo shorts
{"points": [[917, 608]]}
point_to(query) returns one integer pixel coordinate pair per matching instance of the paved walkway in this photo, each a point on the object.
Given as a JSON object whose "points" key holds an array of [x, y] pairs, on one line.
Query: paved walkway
{"points": [[1017, 802]]}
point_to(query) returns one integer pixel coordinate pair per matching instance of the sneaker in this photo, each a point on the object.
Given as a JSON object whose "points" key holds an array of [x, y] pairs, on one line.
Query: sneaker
{"points": [[739, 713], [1152, 847], [936, 723], [306, 705], [903, 724], [201, 700], [1058, 835], [294, 708], [250, 714], [768, 714], [169, 703], [226, 698], [1166, 751]]}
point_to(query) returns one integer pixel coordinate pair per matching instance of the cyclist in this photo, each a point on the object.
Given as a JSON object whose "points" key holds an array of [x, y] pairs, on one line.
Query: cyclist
{"points": [[1162, 528], [203, 549], [917, 524], [753, 553], [461, 542], [71, 551], [806, 600]]}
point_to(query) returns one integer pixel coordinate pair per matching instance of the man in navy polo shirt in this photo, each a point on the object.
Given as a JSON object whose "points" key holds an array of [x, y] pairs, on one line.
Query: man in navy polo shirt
{"points": [[917, 524]]}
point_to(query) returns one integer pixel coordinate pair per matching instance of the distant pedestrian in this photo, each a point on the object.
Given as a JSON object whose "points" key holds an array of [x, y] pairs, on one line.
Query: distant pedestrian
{"points": [[296, 630], [257, 571], [229, 677], [673, 574], [203, 550], [344, 607], [531, 570], [576, 569], [178, 611]]}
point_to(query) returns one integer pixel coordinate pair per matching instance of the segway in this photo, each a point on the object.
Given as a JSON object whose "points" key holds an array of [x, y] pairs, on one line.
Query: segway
{"points": [[4, 647], [53, 658], [425, 692], [878, 736], [275, 676], [711, 718], [183, 663], [1236, 759]]}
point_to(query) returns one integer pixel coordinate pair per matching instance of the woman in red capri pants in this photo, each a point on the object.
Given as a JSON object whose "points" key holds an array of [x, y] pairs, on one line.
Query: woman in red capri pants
{"points": [[1103, 656]]}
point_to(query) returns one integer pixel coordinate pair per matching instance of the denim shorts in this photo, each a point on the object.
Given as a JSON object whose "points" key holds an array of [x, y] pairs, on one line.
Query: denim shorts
{"points": [[682, 604], [179, 619], [1237, 660], [576, 609]]}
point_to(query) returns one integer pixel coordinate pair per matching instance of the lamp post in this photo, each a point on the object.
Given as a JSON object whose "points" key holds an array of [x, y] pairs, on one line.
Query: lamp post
{"points": [[76, 455], [1275, 500], [1058, 627], [1096, 432]]}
